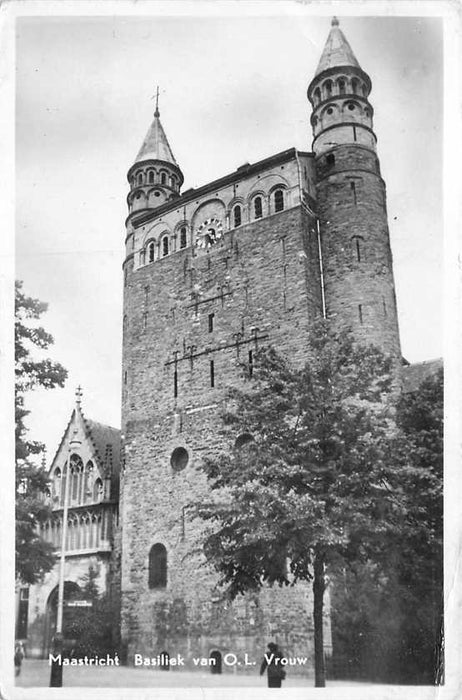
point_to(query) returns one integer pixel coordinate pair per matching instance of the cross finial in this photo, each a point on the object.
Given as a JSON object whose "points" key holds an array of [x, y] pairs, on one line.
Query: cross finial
{"points": [[335, 22], [156, 113], [78, 395]]}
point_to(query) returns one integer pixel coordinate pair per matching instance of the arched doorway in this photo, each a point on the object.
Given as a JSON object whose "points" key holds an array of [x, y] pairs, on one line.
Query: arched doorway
{"points": [[215, 665], [71, 592]]}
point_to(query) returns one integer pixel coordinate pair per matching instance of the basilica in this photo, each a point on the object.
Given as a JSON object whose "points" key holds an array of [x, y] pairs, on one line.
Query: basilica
{"points": [[210, 275]]}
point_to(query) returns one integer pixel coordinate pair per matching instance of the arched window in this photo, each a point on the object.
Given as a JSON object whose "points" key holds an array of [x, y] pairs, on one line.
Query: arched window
{"points": [[317, 96], [164, 246], [341, 86], [140, 178], [183, 239], [257, 208], [163, 178], [98, 490], [328, 88], [87, 493], [158, 566], [355, 86], [237, 214], [151, 251], [151, 177], [57, 484], [278, 200]]}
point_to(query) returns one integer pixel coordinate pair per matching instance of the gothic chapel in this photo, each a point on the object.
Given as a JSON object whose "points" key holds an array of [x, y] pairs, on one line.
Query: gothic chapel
{"points": [[210, 275]]}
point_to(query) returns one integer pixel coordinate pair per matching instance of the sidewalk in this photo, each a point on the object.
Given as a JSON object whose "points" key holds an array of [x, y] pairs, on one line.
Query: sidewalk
{"points": [[36, 673]]}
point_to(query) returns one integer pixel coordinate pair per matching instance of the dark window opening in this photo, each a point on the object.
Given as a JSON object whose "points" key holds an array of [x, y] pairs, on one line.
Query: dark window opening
{"points": [[358, 250], [354, 86], [330, 159], [151, 252], [165, 246], [237, 215], [163, 178], [156, 194], [328, 88], [360, 313], [258, 208], [250, 363], [278, 200], [242, 440], [179, 459], [341, 87], [140, 179], [158, 566], [330, 110], [212, 373], [151, 177], [183, 237], [353, 189], [211, 318], [175, 383], [125, 377], [165, 661], [354, 132]]}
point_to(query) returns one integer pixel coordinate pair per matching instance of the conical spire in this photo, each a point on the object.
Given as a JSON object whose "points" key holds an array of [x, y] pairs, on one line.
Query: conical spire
{"points": [[337, 51], [155, 145]]}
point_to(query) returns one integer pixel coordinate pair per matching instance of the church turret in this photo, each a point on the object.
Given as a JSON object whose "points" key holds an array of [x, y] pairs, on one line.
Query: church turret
{"points": [[155, 177], [351, 196]]}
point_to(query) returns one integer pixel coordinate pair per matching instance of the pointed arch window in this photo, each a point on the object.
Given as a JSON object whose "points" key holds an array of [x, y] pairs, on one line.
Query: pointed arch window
{"points": [[151, 251], [279, 200], [157, 566], [165, 246], [258, 208], [98, 490], [237, 215], [183, 239]]}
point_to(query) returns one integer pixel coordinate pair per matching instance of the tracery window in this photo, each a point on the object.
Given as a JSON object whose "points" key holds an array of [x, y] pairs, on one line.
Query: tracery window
{"points": [[157, 566]]}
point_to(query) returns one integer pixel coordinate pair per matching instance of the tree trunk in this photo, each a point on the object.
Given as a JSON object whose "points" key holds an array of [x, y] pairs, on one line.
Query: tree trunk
{"points": [[318, 603]]}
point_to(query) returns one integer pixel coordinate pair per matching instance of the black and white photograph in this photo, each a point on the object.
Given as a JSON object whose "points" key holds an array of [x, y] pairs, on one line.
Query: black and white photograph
{"points": [[223, 410]]}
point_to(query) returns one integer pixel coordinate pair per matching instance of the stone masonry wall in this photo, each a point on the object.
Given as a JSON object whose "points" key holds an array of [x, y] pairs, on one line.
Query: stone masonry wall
{"points": [[262, 285], [357, 259]]}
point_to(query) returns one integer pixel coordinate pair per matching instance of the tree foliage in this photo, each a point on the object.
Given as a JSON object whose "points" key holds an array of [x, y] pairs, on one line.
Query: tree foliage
{"points": [[387, 621], [34, 556], [316, 483]]}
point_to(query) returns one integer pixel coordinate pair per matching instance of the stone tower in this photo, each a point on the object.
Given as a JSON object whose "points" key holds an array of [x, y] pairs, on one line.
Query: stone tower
{"points": [[351, 198], [210, 275]]}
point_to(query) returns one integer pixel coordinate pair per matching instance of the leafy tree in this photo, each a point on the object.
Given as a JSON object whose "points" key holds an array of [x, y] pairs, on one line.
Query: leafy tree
{"points": [[316, 483], [34, 556], [387, 619], [91, 628]]}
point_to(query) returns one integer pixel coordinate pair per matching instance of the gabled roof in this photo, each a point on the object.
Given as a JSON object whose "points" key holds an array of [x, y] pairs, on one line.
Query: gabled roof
{"points": [[155, 145], [337, 51]]}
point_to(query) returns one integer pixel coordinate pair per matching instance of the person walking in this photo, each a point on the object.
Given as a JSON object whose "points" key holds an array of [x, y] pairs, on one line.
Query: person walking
{"points": [[18, 657], [272, 664]]}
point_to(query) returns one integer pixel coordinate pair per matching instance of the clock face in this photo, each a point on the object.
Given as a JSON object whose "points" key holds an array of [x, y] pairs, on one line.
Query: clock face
{"points": [[209, 233]]}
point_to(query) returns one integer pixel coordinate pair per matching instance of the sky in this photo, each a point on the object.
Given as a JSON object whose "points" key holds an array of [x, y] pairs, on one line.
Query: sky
{"points": [[232, 90]]}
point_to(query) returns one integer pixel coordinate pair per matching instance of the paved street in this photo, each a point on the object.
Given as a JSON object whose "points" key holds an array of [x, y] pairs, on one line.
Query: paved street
{"points": [[36, 673]]}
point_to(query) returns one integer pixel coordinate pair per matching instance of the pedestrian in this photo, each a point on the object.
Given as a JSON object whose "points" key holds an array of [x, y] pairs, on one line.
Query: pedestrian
{"points": [[272, 663], [18, 657]]}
